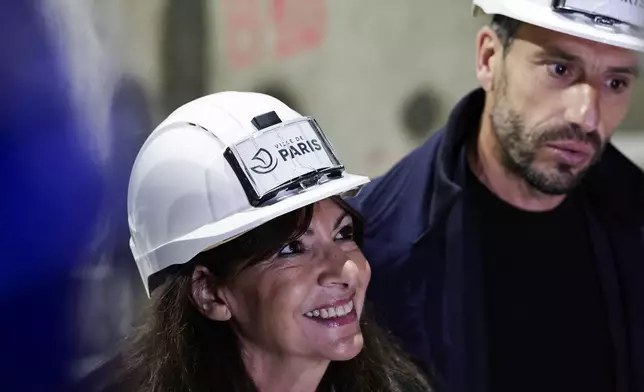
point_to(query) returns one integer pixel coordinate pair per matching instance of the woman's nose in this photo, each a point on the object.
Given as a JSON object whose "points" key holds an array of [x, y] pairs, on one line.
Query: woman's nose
{"points": [[339, 269]]}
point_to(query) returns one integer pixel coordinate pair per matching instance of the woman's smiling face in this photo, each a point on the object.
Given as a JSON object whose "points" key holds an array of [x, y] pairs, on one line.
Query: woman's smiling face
{"points": [[307, 299]]}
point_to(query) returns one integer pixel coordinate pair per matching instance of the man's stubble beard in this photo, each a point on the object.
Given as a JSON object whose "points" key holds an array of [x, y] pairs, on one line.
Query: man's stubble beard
{"points": [[517, 150]]}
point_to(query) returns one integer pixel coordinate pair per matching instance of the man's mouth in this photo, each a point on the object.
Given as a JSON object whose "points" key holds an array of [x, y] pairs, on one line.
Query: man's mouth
{"points": [[572, 153], [573, 146]]}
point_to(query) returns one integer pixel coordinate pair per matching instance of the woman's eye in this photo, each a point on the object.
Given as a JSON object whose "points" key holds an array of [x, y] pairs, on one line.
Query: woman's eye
{"points": [[292, 248], [345, 234]]}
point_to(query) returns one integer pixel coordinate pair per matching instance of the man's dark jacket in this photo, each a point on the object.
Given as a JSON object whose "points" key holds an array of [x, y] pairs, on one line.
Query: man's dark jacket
{"points": [[426, 269]]}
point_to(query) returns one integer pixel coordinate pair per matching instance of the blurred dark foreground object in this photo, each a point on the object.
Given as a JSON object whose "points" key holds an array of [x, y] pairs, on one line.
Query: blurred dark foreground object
{"points": [[49, 197]]}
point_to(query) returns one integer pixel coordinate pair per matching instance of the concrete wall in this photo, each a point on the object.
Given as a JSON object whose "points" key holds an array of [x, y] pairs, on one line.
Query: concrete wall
{"points": [[375, 62], [378, 75]]}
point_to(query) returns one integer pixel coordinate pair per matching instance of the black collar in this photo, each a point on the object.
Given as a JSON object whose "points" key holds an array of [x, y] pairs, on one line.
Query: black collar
{"points": [[450, 166]]}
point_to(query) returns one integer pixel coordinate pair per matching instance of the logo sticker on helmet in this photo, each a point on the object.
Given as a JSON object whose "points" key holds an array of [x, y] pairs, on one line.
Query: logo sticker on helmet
{"points": [[606, 12], [283, 153], [268, 163]]}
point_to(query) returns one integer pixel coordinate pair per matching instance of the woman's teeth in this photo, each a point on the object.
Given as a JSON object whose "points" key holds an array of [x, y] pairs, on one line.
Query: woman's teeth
{"points": [[334, 311]]}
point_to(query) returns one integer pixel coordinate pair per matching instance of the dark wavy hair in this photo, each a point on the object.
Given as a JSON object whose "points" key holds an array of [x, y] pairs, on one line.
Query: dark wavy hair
{"points": [[179, 349]]}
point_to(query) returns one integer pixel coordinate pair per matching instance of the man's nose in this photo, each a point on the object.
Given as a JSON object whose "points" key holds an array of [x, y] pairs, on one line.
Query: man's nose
{"points": [[582, 107]]}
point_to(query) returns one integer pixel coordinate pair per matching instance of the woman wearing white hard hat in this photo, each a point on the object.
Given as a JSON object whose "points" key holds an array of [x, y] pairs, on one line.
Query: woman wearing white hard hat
{"points": [[251, 259]]}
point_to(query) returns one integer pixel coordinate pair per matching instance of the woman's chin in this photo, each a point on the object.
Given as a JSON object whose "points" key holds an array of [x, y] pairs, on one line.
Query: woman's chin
{"points": [[345, 350]]}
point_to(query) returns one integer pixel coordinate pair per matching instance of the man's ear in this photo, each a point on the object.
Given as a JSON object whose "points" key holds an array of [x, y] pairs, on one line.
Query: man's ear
{"points": [[209, 299], [489, 53]]}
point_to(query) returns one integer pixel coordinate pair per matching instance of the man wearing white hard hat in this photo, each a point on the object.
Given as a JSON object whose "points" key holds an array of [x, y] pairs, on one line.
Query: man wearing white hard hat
{"points": [[508, 250]]}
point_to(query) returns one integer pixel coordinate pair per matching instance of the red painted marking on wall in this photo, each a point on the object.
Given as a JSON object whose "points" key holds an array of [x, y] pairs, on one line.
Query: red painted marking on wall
{"points": [[300, 25], [243, 32]]}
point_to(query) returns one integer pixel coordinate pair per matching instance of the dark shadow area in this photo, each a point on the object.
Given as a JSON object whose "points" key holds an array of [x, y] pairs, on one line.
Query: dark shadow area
{"points": [[419, 113], [184, 56]]}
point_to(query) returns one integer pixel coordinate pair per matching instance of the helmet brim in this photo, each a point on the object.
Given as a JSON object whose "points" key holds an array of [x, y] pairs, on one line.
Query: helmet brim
{"points": [[183, 249], [538, 15]]}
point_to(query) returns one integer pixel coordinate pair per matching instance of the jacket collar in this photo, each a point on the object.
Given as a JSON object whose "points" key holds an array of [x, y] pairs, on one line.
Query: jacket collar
{"points": [[450, 165], [617, 184]]}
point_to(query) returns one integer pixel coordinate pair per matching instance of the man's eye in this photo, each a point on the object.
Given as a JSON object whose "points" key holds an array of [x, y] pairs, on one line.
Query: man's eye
{"points": [[559, 70], [292, 248], [345, 234]]}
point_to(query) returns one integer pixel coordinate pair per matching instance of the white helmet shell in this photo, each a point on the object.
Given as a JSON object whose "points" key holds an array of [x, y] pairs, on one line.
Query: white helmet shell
{"points": [[211, 172], [613, 22]]}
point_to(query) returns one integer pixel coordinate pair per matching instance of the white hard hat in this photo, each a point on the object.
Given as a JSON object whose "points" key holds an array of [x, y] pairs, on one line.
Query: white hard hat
{"points": [[613, 22], [220, 166]]}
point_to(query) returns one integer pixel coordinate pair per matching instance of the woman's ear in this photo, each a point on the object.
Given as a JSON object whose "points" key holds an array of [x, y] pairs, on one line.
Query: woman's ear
{"points": [[209, 299]]}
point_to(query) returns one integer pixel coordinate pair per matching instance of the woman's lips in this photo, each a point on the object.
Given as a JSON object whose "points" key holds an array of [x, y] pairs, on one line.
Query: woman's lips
{"points": [[334, 316], [339, 308]]}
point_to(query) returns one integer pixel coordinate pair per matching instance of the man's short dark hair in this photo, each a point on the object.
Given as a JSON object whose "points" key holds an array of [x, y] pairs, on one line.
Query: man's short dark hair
{"points": [[506, 28]]}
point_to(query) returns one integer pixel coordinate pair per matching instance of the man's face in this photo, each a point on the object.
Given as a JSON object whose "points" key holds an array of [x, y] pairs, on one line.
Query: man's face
{"points": [[557, 100]]}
